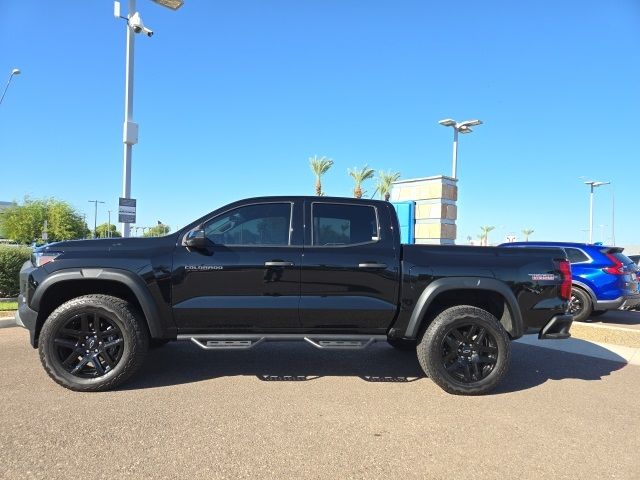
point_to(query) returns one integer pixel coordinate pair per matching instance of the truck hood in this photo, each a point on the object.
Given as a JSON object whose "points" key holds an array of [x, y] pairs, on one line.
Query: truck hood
{"points": [[109, 244]]}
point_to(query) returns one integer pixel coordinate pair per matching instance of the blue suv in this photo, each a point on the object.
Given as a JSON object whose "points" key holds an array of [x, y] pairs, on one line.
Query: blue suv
{"points": [[603, 278]]}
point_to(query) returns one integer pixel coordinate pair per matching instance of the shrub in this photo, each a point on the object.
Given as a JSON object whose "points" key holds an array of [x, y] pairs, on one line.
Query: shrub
{"points": [[11, 259]]}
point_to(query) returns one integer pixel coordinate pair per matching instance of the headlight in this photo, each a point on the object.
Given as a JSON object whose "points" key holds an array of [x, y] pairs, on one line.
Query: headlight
{"points": [[42, 258]]}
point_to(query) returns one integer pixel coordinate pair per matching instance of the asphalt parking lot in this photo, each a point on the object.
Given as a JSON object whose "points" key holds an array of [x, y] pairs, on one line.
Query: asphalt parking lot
{"points": [[290, 411]]}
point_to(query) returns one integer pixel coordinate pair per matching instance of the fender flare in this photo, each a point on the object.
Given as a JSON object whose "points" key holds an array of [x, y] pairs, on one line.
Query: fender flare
{"points": [[127, 278], [512, 321]]}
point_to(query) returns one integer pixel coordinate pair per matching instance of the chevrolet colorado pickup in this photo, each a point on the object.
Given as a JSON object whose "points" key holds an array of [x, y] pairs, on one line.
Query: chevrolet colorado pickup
{"points": [[329, 271]]}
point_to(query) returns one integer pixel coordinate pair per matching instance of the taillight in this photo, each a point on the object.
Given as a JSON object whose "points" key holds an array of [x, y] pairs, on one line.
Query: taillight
{"points": [[617, 268], [565, 272]]}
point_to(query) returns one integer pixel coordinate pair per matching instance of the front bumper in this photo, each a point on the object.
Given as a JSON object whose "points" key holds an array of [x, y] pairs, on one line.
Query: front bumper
{"points": [[26, 318], [557, 328]]}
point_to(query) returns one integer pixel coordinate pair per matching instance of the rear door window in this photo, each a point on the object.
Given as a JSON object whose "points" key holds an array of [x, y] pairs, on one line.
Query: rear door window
{"points": [[343, 224]]}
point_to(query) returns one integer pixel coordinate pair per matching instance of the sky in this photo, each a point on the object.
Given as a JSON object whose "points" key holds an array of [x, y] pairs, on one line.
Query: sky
{"points": [[233, 97]]}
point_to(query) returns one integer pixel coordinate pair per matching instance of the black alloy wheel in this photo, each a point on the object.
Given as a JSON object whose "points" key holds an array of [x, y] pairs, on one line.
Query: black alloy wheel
{"points": [[465, 350], [93, 343], [89, 345], [580, 305], [576, 305], [469, 353]]}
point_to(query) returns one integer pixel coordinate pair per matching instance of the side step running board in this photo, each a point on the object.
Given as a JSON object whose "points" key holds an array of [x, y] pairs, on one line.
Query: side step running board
{"points": [[247, 341], [221, 344]]}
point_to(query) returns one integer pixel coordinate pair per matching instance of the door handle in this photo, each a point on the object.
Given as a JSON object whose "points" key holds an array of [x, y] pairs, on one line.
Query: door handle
{"points": [[372, 265], [278, 264]]}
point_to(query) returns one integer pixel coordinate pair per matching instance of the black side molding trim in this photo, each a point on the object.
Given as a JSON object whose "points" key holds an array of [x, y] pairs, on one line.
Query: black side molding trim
{"points": [[513, 325]]}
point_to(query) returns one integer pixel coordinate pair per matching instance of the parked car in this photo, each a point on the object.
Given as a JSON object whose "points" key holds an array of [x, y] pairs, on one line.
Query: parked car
{"points": [[603, 277], [328, 271]]}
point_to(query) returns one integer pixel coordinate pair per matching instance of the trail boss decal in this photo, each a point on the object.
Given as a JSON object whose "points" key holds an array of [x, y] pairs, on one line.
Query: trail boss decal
{"points": [[538, 277]]}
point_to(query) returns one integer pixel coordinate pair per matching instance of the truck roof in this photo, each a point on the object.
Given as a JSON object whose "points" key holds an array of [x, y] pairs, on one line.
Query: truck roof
{"points": [[553, 244]]}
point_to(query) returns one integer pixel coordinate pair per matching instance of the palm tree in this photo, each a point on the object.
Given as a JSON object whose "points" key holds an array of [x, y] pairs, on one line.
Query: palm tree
{"points": [[319, 166], [526, 232], [385, 183], [359, 176], [485, 233]]}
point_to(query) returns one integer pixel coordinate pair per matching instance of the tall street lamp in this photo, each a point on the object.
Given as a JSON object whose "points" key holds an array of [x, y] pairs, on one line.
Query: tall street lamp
{"points": [[130, 129], [95, 217], [458, 127], [15, 71], [592, 184]]}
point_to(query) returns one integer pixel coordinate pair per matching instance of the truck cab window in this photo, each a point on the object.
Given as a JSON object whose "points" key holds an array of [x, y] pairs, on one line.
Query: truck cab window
{"points": [[340, 224], [263, 224]]}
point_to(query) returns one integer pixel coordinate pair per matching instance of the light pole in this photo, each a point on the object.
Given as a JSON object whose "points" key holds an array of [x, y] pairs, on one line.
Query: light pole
{"points": [[109, 224], [592, 184], [130, 129], [602, 232], [458, 127], [15, 71], [95, 217], [613, 216]]}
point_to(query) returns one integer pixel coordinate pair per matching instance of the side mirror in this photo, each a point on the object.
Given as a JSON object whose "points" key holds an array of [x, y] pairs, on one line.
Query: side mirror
{"points": [[195, 239]]}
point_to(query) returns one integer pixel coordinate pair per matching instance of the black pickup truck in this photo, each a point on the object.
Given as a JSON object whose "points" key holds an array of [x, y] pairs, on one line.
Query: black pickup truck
{"points": [[329, 271]]}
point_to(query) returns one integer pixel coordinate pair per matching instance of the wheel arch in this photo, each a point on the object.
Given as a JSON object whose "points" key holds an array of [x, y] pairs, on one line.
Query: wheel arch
{"points": [[64, 285], [587, 289], [487, 293]]}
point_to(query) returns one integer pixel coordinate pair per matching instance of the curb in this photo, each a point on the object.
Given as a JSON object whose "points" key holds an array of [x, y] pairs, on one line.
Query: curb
{"points": [[7, 322], [612, 335], [604, 351]]}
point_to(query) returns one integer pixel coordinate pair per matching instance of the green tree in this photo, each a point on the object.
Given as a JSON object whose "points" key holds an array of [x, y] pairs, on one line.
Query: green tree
{"points": [[25, 223], [319, 166], [157, 231], [526, 232], [359, 175], [385, 183], [106, 230], [485, 233]]}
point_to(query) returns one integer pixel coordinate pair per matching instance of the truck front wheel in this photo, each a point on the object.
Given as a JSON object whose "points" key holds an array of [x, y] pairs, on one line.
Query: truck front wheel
{"points": [[465, 351], [93, 343]]}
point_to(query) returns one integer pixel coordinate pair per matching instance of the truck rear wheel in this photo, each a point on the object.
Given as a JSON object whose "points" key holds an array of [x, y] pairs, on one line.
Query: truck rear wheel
{"points": [[465, 351], [93, 343]]}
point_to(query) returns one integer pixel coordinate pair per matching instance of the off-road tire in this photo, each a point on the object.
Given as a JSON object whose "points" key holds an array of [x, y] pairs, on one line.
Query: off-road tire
{"points": [[582, 299], [431, 349], [120, 312], [402, 344]]}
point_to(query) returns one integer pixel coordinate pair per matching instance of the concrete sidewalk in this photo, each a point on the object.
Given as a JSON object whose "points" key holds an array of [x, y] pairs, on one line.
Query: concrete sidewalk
{"points": [[605, 351]]}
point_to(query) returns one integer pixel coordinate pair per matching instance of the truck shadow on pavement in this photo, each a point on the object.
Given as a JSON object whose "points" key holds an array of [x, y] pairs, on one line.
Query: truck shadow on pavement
{"points": [[182, 362]]}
